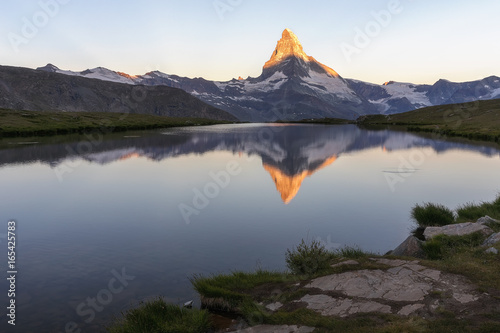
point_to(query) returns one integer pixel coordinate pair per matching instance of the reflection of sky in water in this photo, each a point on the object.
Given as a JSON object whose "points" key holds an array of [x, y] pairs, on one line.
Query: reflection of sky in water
{"points": [[119, 207]]}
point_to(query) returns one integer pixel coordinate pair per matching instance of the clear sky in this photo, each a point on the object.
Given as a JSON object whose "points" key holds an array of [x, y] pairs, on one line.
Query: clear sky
{"points": [[417, 41]]}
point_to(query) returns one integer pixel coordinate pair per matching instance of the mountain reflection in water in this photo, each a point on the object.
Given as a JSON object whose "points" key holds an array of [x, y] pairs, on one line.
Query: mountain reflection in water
{"points": [[289, 153]]}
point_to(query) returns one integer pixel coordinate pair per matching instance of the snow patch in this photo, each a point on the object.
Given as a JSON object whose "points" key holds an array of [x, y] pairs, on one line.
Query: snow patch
{"points": [[332, 85], [403, 90]]}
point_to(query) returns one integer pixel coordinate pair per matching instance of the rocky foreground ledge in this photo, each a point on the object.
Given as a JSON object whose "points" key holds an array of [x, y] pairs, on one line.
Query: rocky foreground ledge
{"points": [[392, 285]]}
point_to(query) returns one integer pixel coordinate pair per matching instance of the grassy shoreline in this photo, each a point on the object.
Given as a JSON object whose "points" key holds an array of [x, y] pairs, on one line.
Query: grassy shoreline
{"points": [[478, 121], [244, 294], [50, 123]]}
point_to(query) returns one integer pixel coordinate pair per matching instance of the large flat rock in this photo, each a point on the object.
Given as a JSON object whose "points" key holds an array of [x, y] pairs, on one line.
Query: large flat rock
{"points": [[342, 307], [459, 229], [404, 288]]}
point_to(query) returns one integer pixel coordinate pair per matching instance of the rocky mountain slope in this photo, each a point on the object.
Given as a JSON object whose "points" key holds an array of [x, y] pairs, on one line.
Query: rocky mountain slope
{"points": [[27, 89], [296, 86]]}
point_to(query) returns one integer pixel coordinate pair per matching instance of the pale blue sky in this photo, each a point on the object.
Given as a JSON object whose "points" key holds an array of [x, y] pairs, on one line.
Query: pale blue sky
{"points": [[421, 41]]}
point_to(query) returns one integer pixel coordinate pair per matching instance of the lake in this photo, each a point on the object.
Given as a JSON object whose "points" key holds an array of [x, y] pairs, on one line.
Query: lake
{"points": [[105, 222]]}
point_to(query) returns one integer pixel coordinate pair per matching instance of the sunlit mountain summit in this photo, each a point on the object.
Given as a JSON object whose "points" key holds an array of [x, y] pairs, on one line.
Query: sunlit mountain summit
{"points": [[295, 86]]}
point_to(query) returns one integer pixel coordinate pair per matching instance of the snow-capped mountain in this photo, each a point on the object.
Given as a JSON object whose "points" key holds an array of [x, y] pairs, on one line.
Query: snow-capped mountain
{"points": [[296, 86]]}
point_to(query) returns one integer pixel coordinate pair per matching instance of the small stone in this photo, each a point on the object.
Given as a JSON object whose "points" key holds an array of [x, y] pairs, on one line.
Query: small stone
{"points": [[487, 220], [409, 309], [492, 240], [492, 250], [274, 306], [464, 298]]}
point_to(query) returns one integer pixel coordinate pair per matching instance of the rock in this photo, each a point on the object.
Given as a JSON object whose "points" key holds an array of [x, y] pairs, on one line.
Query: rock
{"points": [[347, 262], [342, 307], [492, 250], [409, 309], [402, 284], [411, 247], [274, 306], [277, 329], [459, 229], [492, 240], [487, 220]]}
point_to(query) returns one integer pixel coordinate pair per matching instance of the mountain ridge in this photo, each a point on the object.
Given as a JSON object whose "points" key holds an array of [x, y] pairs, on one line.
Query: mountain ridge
{"points": [[35, 90], [294, 86]]}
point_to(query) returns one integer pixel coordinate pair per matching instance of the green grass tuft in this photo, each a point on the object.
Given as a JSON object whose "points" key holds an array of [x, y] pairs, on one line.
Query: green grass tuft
{"points": [[470, 212], [442, 246], [431, 215], [308, 259], [350, 252], [159, 317]]}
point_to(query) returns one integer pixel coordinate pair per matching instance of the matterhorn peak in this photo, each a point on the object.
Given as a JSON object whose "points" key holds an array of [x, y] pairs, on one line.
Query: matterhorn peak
{"points": [[289, 46]]}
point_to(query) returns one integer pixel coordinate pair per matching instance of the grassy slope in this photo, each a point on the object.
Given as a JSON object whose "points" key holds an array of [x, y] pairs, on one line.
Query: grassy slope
{"points": [[31, 123], [475, 120]]}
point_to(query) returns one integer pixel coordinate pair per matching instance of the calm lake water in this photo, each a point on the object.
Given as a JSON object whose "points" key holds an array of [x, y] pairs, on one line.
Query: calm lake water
{"points": [[135, 215]]}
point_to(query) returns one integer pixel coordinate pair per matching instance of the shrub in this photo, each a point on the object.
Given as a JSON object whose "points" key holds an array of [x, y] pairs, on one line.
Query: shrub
{"points": [[442, 246], [351, 253], [308, 258], [431, 214], [158, 316], [471, 212]]}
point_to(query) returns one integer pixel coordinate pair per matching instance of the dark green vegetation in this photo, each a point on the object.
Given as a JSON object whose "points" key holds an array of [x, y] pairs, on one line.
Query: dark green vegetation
{"points": [[462, 254], [326, 121], [432, 215], [478, 120], [435, 215], [443, 246], [159, 317], [311, 259], [308, 258], [38, 123], [471, 211]]}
